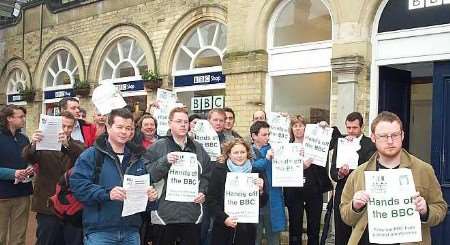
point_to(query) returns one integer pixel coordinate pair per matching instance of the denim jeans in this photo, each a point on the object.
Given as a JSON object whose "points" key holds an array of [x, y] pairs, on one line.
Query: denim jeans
{"points": [[118, 237]]}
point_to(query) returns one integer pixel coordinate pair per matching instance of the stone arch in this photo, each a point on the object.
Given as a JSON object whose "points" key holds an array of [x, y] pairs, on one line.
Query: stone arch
{"points": [[112, 35], [183, 25], [11, 65], [51, 48]]}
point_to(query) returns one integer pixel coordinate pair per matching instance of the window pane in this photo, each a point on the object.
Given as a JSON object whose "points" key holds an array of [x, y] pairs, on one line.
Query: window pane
{"points": [[126, 45], [20, 86], [137, 52], [183, 61], [63, 54], [192, 42], [54, 65], [208, 58], [107, 72], [62, 78], [302, 21], [304, 94], [207, 32], [114, 55], [48, 79], [125, 69], [222, 37]]}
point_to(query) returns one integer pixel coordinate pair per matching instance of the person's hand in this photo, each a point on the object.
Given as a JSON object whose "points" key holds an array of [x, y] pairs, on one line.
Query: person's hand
{"points": [[172, 157], [323, 124], [269, 154], [360, 200], [152, 194], [221, 159], [155, 104], [36, 137], [200, 198], [63, 139], [231, 222], [118, 193], [21, 174], [421, 204], [344, 170], [349, 138], [307, 163], [260, 184]]}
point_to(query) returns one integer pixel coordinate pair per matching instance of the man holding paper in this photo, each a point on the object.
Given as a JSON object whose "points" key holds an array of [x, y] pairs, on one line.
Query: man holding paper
{"points": [[388, 134], [363, 148]]}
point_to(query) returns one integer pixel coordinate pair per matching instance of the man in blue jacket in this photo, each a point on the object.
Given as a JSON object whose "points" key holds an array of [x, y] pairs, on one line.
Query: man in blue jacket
{"points": [[103, 199]]}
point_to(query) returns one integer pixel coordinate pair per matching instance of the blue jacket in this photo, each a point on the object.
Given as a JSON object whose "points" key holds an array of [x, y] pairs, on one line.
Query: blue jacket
{"points": [[100, 213], [276, 201]]}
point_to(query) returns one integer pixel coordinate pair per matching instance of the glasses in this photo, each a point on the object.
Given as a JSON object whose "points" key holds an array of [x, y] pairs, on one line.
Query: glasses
{"points": [[384, 137]]}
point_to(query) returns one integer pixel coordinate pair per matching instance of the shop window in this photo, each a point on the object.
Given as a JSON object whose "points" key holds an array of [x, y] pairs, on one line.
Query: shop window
{"points": [[203, 46], [302, 21], [125, 59], [61, 70]]}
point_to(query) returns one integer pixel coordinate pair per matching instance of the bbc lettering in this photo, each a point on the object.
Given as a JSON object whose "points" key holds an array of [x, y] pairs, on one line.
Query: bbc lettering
{"points": [[206, 103], [419, 4], [201, 79]]}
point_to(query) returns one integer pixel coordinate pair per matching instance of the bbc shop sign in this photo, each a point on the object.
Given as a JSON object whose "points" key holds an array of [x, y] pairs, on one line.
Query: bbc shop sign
{"points": [[420, 4], [207, 103], [199, 79]]}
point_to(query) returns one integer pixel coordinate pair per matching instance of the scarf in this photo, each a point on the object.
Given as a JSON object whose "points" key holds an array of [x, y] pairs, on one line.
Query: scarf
{"points": [[245, 168]]}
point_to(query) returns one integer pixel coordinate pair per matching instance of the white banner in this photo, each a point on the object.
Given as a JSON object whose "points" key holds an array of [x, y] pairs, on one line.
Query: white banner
{"points": [[166, 101], [205, 134], [242, 197], [107, 97], [347, 153], [287, 165], [316, 143], [182, 181], [392, 217], [279, 128], [50, 127]]}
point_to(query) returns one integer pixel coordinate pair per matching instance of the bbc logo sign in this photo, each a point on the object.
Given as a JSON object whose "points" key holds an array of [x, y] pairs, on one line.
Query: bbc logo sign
{"points": [[206, 103], [419, 4]]}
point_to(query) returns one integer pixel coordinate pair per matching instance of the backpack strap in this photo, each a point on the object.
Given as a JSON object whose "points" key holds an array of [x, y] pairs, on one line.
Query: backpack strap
{"points": [[98, 165]]}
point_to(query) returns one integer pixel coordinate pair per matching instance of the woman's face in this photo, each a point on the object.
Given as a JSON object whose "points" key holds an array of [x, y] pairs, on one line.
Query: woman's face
{"points": [[192, 124], [238, 154], [298, 130]]}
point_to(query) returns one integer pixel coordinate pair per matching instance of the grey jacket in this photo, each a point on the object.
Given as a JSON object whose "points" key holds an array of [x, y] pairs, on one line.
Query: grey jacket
{"points": [[169, 212]]}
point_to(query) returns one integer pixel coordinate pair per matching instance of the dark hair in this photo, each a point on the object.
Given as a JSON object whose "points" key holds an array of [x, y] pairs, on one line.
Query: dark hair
{"points": [[63, 103], [385, 116], [355, 116], [258, 125], [194, 116], [175, 110], [69, 115], [123, 113], [294, 120], [8, 111], [228, 109], [145, 116], [216, 110]]}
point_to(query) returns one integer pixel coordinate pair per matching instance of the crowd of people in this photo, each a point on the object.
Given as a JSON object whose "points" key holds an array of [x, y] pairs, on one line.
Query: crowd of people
{"points": [[101, 153]]}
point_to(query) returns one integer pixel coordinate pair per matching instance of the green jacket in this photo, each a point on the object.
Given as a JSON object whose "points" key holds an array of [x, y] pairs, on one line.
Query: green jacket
{"points": [[426, 184]]}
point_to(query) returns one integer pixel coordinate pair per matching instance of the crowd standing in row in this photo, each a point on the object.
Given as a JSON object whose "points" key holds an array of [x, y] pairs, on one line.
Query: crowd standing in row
{"points": [[99, 154]]}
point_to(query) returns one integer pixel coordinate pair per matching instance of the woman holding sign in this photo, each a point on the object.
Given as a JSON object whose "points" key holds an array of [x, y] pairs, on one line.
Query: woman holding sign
{"points": [[227, 230], [308, 197]]}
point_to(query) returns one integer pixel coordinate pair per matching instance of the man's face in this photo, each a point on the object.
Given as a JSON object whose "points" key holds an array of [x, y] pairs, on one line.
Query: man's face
{"points": [[148, 127], [67, 125], [217, 121], [229, 120], [353, 128], [99, 119], [259, 116], [179, 124], [120, 131], [74, 108], [262, 138], [17, 120], [388, 138]]}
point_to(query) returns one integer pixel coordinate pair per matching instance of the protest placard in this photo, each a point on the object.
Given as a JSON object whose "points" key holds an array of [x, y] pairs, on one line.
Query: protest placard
{"points": [[166, 102], [182, 180], [50, 127], [392, 217], [107, 97], [316, 143], [205, 134], [279, 128], [287, 165], [242, 197], [347, 153]]}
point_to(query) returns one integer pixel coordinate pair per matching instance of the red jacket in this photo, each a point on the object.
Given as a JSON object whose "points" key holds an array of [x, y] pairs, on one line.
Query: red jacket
{"points": [[88, 132]]}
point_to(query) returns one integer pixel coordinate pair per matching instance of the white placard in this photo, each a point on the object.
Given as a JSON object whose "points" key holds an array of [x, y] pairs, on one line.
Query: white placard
{"points": [[166, 102], [107, 97], [207, 136], [182, 181], [50, 127], [136, 190], [392, 217], [242, 197], [316, 143], [347, 153], [287, 165], [279, 128]]}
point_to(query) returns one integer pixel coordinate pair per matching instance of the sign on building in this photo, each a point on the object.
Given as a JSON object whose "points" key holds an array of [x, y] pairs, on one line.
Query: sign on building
{"points": [[207, 103], [419, 4]]}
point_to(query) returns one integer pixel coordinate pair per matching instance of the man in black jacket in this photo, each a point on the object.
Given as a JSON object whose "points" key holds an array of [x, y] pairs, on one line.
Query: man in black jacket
{"points": [[353, 124]]}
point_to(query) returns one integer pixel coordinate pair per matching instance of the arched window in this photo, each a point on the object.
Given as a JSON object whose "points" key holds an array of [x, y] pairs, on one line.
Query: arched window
{"points": [[16, 81], [61, 70], [125, 60], [203, 46]]}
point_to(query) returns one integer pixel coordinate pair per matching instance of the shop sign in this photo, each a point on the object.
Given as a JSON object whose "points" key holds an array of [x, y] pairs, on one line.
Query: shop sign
{"points": [[15, 98], [207, 103], [62, 93], [130, 86], [199, 79], [419, 4]]}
